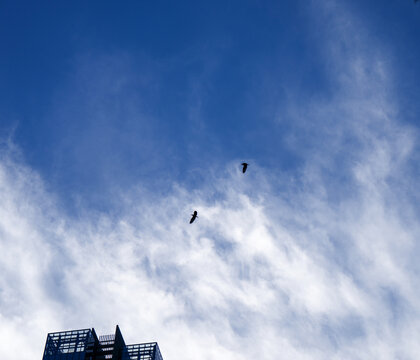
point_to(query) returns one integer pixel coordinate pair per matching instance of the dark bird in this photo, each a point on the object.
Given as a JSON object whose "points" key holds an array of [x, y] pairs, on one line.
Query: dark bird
{"points": [[244, 166], [194, 216]]}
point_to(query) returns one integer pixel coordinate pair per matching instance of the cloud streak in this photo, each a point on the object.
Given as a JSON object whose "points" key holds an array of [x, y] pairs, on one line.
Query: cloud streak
{"points": [[316, 264]]}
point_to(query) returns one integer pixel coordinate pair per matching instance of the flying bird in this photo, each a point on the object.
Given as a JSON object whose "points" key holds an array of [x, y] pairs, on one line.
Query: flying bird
{"points": [[244, 166], [194, 216]]}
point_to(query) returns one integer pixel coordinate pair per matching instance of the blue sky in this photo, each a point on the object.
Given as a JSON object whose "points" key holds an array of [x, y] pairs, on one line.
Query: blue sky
{"points": [[152, 91], [118, 120]]}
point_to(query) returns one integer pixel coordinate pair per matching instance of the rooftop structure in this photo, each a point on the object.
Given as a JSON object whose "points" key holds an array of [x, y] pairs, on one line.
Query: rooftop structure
{"points": [[86, 345]]}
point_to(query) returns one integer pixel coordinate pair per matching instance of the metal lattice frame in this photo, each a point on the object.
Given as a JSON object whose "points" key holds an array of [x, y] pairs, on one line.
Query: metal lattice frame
{"points": [[147, 351], [66, 342], [106, 344], [84, 344]]}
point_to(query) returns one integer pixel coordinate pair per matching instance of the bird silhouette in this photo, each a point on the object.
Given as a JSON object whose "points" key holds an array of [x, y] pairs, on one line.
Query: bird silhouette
{"points": [[194, 216], [244, 166]]}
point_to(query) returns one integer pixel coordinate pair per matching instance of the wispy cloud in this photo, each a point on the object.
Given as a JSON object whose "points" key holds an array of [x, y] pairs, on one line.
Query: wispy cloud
{"points": [[320, 264]]}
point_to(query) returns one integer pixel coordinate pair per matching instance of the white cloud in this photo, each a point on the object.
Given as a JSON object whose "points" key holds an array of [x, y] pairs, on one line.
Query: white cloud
{"points": [[324, 267]]}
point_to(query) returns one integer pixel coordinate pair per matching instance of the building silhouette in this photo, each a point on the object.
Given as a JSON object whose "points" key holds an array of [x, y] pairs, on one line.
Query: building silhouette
{"points": [[86, 345]]}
